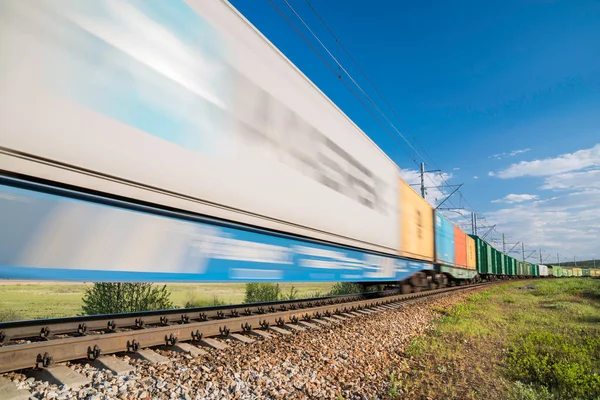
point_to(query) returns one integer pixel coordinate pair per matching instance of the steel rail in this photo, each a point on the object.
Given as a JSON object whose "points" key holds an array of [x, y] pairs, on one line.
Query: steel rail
{"points": [[43, 329], [36, 354]]}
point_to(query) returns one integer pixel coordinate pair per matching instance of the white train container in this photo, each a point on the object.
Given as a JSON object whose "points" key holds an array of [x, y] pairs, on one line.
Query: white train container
{"points": [[543, 270], [185, 104]]}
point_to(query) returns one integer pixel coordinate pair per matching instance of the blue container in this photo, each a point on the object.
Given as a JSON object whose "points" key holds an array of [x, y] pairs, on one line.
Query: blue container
{"points": [[444, 240]]}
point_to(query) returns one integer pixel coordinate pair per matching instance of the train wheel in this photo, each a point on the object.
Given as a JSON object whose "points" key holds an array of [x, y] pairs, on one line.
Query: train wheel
{"points": [[406, 288], [443, 281], [418, 280]]}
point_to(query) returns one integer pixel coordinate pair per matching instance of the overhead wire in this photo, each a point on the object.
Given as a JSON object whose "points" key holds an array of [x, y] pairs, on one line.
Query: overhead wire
{"points": [[352, 79], [381, 96], [427, 157], [364, 74], [332, 69]]}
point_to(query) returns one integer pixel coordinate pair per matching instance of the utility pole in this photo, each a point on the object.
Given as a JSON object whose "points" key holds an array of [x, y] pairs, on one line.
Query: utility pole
{"points": [[503, 244], [541, 262], [558, 258], [574, 260], [423, 180], [423, 172], [475, 221], [523, 250]]}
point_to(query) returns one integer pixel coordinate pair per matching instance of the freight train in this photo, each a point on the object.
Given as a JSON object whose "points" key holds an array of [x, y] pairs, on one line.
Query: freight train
{"points": [[171, 141]]}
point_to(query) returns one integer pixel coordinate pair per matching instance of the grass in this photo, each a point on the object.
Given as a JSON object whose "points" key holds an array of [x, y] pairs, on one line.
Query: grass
{"points": [[538, 340], [31, 300]]}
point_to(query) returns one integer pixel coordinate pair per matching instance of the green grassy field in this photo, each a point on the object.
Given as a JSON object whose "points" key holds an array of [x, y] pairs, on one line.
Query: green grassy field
{"points": [[50, 300], [538, 340]]}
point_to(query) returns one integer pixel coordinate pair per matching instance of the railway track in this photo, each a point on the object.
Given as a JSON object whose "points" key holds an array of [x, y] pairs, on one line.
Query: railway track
{"points": [[42, 343]]}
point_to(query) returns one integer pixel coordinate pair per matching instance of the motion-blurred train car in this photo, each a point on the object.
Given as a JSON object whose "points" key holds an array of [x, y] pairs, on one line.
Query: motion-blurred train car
{"points": [[455, 251], [173, 141]]}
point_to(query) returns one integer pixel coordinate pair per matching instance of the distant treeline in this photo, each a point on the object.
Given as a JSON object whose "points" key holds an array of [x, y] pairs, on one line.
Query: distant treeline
{"points": [[579, 264]]}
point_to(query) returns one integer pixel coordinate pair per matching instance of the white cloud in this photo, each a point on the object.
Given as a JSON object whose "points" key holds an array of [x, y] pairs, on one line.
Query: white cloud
{"points": [[515, 152], [456, 169], [511, 153], [475, 177], [434, 182], [516, 198], [568, 162], [567, 221], [574, 180], [568, 224]]}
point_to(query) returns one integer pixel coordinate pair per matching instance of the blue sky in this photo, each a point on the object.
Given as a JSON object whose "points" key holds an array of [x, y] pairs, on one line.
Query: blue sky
{"points": [[475, 82]]}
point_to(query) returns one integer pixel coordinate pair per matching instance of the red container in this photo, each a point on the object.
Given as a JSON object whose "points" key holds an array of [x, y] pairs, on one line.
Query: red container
{"points": [[460, 248]]}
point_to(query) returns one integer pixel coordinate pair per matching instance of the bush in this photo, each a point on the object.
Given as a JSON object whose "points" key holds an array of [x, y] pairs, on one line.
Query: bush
{"points": [[193, 302], [110, 298], [342, 288], [291, 295], [260, 292], [564, 364], [521, 391]]}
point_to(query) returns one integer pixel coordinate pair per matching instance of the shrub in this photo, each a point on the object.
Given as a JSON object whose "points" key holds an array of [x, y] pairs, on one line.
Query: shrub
{"points": [[564, 364], [260, 292], [291, 295], [194, 302], [521, 391], [342, 288], [110, 298]]}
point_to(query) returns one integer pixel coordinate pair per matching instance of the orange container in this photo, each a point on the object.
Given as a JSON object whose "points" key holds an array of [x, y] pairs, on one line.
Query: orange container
{"points": [[416, 225], [460, 248]]}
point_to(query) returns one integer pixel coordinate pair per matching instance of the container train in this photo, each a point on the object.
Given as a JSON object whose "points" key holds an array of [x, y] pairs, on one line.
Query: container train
{"points": [[146, 141]]}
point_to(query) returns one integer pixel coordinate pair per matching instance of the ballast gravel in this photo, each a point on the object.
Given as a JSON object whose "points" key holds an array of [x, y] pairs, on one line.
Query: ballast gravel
{"points": [[346, 360]]}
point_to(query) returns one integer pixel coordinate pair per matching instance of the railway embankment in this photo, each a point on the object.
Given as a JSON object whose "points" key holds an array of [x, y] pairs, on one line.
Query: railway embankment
{"points": [[349, 356]]}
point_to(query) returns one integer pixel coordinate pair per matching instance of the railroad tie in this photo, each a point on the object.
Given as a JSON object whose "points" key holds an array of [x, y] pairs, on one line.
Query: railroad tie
{"points": [[9, 391], [113, 364], [59, 375]]}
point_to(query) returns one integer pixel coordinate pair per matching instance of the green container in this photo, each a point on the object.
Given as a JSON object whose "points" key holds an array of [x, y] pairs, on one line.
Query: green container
{"points": [[521, 268], [495, 261], [512, 266], [557, 271], [483, 253], [585, 272]]}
